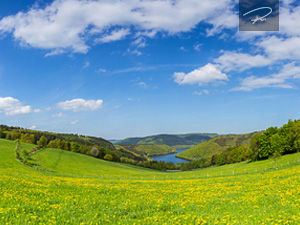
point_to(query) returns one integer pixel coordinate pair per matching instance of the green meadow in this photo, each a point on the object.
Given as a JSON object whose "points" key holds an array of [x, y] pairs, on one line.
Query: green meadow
{"points": [[71, 188]]}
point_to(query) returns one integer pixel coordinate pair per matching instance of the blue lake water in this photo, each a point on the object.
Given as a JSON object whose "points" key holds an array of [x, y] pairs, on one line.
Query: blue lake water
{"points": [[170, 157]]}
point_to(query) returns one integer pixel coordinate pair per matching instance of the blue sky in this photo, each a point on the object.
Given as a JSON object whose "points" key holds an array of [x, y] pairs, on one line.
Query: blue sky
{"points": [[126, 68]]}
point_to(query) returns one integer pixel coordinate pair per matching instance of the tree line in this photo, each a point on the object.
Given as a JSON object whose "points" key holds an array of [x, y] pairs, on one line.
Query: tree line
{"points": [[32, 136]]}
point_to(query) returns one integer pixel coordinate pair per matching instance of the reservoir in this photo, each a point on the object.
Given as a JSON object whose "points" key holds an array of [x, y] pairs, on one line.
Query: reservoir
{"points": [[170, 157]]}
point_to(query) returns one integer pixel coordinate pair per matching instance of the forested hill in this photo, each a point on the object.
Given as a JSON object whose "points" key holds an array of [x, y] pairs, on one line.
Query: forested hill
{"points": [[147, 149], [216, 145], [32, 136], [169, 139]]}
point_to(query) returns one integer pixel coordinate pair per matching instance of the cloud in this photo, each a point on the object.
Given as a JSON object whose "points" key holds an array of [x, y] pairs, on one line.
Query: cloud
{"points": [[76, 105], [252, 82], [101, 70], [201, 92], [55, 52], [134, 52], [197, 47], [209, 73], [68, 25], [134, 69], [32, 127], [183, 49], [197, 93], [142, 84], [114, 36], [12, 106], [233, 61], [279, 80], [268, 49], [289, 17], [226, 19], [281, 48], [58, 115], [86, 64], [140, 42], [74, 122]]}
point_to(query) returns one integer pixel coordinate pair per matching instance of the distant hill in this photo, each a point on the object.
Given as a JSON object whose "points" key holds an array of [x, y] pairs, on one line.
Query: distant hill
{"points": [[169, 139], [147, 150], [215, 145], [114, 141]]}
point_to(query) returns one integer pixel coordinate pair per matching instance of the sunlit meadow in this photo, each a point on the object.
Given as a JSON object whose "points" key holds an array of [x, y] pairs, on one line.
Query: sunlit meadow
{"points": [[69, 188]]}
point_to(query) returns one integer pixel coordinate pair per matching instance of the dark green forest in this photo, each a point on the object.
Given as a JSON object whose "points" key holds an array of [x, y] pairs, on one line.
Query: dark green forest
{"points": [[169, 139]]}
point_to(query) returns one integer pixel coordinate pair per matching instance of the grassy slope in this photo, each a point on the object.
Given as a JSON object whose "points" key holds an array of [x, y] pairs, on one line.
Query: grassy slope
{"points": [[215, 145], [31, 197], [169, 139], [148, 149]]}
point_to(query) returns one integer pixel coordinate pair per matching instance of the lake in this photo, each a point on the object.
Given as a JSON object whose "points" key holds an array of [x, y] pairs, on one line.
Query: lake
{"points": [[170, 157]]}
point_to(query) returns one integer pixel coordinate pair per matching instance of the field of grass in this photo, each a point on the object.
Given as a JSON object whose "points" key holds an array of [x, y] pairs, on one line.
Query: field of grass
{"points": [[77, 189], [214, 146]]}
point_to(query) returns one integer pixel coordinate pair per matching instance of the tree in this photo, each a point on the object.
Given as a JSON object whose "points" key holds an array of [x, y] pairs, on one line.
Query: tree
{"points": [[25, 156], [7, 136], [108, 157], [95, 151], [75, 147], [265, 146], [14, 135], [277, 144], [37, 161], [28, 138], [293, 136], [18, 149], [64, 145], [42, 142], [243, 153], [297, 145], [235, 155], [2, 135], [52, 144], [253, 149]]}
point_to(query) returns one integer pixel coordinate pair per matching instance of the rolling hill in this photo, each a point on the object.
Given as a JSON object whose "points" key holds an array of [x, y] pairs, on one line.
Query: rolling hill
{"points": [[147, 149], [169, 139], [215, 145]]}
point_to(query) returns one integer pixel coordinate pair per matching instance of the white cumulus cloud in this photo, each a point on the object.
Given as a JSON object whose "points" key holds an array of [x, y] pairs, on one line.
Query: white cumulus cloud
{"points": [[12, 106], [209, 73], [79, 104]]}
